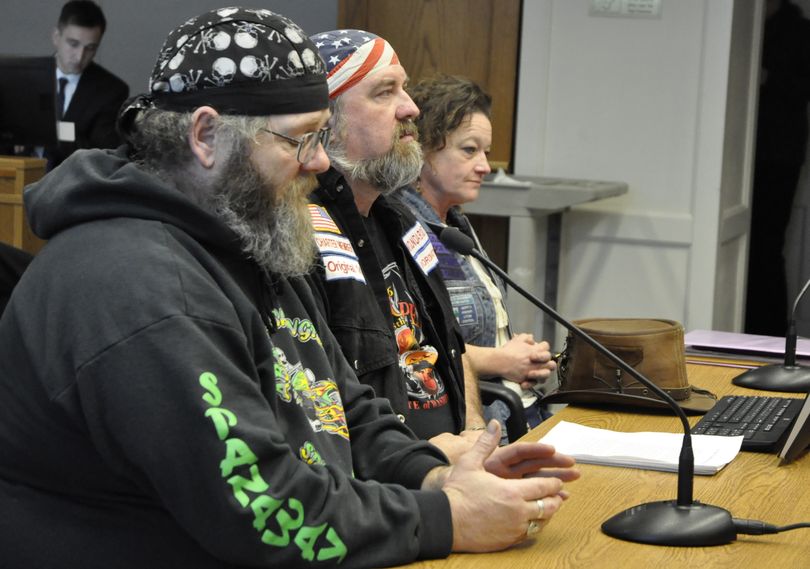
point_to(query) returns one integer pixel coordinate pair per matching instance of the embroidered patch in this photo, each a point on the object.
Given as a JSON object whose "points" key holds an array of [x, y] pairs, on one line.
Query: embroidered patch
{"points": [[465, 307], [328, 243], [340, 267], [321, 220], [418, 244], [449, 265]]}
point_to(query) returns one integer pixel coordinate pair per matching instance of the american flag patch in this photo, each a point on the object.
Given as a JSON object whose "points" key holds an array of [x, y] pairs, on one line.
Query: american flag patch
{"points": [[321, 220]]}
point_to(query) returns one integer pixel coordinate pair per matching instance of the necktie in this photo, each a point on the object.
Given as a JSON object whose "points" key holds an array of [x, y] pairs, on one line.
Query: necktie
{"points": [[60, 100]]}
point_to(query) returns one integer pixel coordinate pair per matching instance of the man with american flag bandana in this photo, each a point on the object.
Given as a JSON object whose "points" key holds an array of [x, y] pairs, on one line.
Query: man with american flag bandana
{"points": [[383, 297], [390, 308]]}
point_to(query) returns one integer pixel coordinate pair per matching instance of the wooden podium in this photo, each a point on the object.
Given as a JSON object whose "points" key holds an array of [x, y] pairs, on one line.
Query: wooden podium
{"points": [[15, 174]]}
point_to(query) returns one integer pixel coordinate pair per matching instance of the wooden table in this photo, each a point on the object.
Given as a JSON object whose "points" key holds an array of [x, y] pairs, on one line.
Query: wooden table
{"points": [[15, 173], [753, 486]]}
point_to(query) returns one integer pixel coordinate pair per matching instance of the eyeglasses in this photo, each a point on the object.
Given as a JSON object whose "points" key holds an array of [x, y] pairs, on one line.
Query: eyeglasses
{"points": [[307, 144]]}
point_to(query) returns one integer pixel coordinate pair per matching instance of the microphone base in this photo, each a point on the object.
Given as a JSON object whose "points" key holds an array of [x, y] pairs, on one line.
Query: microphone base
{"points": [[794, 379], [667, 523]]}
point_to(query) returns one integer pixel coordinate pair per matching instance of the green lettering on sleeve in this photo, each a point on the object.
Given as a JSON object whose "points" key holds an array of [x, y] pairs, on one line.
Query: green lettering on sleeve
{"points": [[305, 540], [209, 381], [290, 519], [286, 523], [254, 484], [337, 550], [237, 453], [222, 419], [263, 507]]}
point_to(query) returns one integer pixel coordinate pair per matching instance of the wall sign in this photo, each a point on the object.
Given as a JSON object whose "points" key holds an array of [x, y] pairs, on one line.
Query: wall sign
{"points": [[626, 8]]}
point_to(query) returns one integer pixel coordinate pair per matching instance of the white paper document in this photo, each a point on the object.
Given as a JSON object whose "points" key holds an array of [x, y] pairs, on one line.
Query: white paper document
{"points": [[649, 451]]}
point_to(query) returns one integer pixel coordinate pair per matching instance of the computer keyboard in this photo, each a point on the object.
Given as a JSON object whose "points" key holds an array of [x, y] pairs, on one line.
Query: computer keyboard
{"points": [[762, 421]]}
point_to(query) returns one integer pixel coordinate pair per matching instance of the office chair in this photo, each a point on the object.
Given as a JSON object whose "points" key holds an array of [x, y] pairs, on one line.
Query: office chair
{"points": [[492, 391], [13, 263]]}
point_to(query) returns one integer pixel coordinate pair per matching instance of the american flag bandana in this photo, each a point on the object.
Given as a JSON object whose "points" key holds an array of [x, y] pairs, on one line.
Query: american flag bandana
{"points": [[350, 55]]}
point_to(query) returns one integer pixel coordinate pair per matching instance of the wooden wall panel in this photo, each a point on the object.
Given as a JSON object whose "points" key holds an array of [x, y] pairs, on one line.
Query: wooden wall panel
{"points": [[475, 38]]}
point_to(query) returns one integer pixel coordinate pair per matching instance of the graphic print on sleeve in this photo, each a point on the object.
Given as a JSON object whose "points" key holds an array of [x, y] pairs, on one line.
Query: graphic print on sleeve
{"points": [[319, 399]]}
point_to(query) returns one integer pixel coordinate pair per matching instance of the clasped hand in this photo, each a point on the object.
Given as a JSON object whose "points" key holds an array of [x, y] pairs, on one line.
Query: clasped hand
{"points": [[530, 361], [494, 492]]}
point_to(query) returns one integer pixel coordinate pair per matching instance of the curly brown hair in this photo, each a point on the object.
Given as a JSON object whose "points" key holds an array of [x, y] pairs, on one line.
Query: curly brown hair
{"points": [[444, 101]]}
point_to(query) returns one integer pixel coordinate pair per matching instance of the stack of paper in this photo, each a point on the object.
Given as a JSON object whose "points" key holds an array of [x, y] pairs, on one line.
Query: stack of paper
{"points": [[649, 451]]}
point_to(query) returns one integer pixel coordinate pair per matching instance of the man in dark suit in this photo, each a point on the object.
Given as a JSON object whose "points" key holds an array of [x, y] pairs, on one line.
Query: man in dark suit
{"points": [[88, 96]]}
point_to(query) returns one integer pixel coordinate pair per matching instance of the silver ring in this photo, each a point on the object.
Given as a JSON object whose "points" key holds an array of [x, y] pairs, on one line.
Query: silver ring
{"points": [[541, 507], [534, 527]]}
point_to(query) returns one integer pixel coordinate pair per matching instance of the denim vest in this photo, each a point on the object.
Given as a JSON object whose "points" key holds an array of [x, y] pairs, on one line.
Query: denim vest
{"points": [[472, 304]]}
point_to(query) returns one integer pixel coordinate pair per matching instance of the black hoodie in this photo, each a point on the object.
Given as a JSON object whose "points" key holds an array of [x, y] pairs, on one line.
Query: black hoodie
{"points": [[167, 405]]}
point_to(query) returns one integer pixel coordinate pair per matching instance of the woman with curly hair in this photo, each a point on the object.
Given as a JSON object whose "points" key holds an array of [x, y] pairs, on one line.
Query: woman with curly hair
{"points": [[455, 133]]}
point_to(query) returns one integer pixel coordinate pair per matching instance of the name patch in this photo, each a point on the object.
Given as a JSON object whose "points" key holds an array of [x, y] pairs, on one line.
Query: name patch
{"points": [[330, 244], [340, 267], [418, 243]]}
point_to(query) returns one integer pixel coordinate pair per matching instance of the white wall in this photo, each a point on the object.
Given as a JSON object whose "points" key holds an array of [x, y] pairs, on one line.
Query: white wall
{"points": [[644, 101]]}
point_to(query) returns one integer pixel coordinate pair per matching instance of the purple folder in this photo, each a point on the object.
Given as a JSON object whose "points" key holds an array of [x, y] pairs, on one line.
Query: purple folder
{"points": [[736, 343]]}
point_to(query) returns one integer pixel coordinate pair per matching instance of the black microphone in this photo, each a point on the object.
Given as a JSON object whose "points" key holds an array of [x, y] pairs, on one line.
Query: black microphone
{"points": [[681, 522], [787, 376]]}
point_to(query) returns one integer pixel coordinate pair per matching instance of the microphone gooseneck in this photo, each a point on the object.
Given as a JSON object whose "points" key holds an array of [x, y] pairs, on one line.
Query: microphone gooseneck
{"points": [[787, 376], [790, 338], [682, 522]]}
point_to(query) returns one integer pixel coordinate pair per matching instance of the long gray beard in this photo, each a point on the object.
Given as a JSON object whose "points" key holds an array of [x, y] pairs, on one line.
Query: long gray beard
{"points": [[275, 232], [395, 169]]}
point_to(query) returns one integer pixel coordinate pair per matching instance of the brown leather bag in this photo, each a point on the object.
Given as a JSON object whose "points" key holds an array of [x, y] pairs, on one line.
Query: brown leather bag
{"points": [[654, 348]]}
